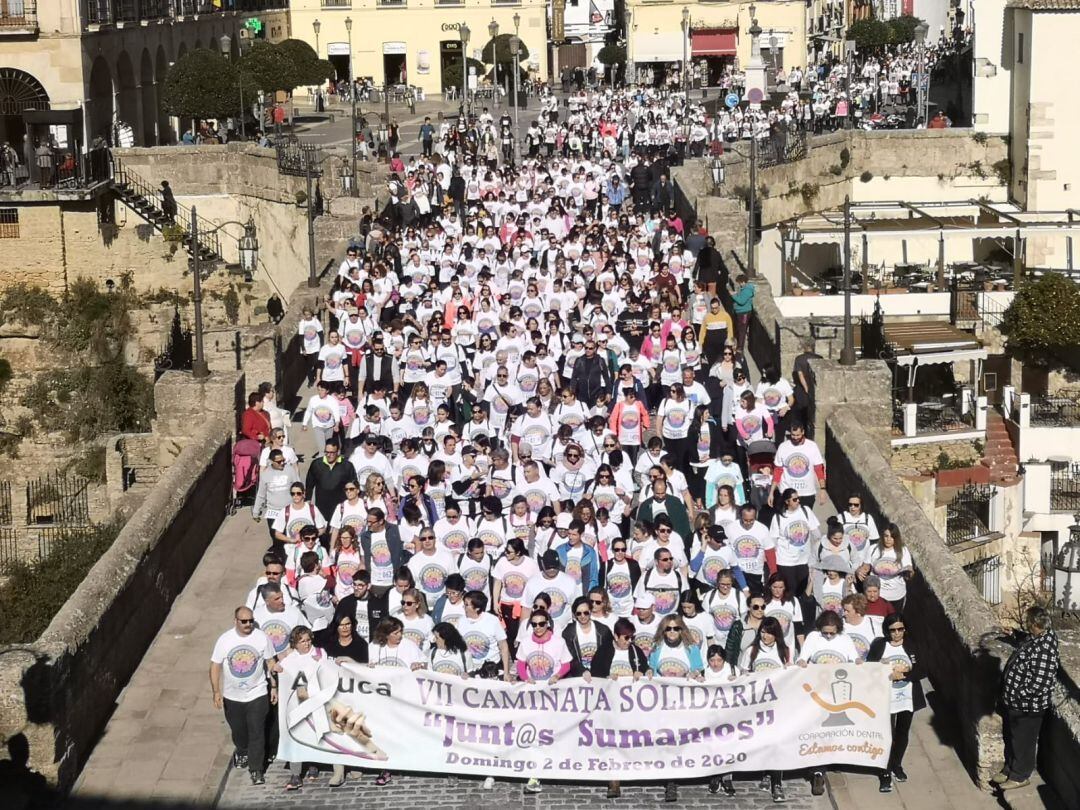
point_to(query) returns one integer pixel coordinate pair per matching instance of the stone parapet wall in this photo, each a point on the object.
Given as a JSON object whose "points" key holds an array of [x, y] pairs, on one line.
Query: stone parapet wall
{"points": [[59, 691], [953, 628]]}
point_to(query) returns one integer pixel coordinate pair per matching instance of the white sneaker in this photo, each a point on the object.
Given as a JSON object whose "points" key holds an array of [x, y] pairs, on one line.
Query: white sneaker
{"points": [[532, 786], [489, 783]]}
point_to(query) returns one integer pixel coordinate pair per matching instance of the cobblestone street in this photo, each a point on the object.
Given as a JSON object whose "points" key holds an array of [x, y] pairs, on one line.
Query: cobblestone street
{"points": [[410, 791]]}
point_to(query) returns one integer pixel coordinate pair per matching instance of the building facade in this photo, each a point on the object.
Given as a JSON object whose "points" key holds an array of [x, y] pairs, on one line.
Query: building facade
{"points": [[104, 61], [415, 42], [718, 35]]}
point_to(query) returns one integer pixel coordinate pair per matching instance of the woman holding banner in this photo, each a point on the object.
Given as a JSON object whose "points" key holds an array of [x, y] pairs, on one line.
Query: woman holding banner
{"points": [[584, 637], [893, 649], [541, 656], [304, 658], [768, 651]]}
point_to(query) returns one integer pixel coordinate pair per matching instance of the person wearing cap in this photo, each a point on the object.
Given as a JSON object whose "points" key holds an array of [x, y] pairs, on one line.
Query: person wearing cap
{"points": [[559, 587], [646, 622]]}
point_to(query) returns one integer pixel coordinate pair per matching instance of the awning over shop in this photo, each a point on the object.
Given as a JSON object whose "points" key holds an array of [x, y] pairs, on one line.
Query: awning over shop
{"points": [[714, 42], [665, 46]]}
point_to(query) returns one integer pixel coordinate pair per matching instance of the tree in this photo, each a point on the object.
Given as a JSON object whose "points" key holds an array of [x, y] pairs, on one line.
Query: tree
{"points": [[310, 69], [201, 84], [902, 29], [451, 74], [611, 55], [500, 48], [270, 67], [869, 34], [1044, 315]]}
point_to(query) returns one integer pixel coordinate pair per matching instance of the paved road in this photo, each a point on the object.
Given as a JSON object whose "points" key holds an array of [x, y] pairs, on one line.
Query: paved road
{"points": [[407, 791]]}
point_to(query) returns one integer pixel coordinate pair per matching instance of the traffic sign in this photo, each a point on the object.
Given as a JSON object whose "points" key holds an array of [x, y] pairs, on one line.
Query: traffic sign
{"points": [[731, 100], [755, 95]]}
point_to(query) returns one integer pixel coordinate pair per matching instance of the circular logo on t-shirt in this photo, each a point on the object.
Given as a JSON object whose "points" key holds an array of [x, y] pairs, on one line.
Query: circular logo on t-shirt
{"points": [[618, 585], [455, 540], [415, 636], [380, 553], [478, 643], [332, 361], [448, 666], [588, 650], [432, 578], [831, 601], [414, 361], [345, 571], [798, 532], [242, 662], [295, 525], [540, 665], [278, 633], [747, 547], [644, 639], [826, 657], [354, 521], [857, 536], [675, 418], [750, 423], [573, 419], [765, 665], [323, 414], [772, 397], [421, 414], [666, 600], [499, 405], [783, 617], [573, 568], [500, 487], [723, 616], [574, 483], [629, 419], [886, 568], [310, 332], [536, 499], [514, 585], [711, 569], [797, 466], [861, 645], [558, 602], [671, 363], [490, 538], [527, 383], [620, 669], [476, 579], [604, 500], [536, 435], [673, 668]]}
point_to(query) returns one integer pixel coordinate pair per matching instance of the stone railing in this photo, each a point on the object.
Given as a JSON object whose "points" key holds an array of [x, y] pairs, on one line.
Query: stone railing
{"points": [[59, 691], [956, 630]]}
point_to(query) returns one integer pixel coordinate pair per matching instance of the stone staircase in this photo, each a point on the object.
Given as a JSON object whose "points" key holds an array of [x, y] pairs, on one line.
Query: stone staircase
{"points": [[138, 195], [1000, 454]]}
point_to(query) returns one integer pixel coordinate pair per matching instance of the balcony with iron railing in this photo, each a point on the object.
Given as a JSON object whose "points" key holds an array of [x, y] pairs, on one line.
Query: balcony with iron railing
{"points": [[18, 16], [121, 12]]}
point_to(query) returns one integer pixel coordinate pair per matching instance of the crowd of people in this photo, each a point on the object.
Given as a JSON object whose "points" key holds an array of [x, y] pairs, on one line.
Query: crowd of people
{"points": [[542, 452]]}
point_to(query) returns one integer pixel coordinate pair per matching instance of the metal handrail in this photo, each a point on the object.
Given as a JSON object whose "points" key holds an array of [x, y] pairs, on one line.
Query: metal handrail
{"points": [[183, 213]]}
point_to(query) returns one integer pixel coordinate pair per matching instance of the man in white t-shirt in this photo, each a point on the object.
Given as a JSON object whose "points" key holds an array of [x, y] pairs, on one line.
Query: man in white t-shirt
{"points": [[485, 639], [238, 679], [797, 464], [559, 586]]}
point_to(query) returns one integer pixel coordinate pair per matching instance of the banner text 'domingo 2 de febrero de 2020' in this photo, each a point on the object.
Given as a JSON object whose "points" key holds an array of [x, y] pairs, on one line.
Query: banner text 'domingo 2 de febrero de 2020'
{"points": [[395, 719]]}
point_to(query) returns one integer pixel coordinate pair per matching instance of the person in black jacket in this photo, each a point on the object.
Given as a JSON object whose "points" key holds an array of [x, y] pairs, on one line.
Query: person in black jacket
{"points": [[327, 477], [641, 183], [906, 693], [663, 195], [456, 192], [592, 375], [621, 658], [584, 638]]}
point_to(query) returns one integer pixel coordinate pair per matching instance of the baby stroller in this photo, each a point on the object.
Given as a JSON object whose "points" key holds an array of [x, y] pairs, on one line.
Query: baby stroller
{"points": [[245, 467], [759, 453]]}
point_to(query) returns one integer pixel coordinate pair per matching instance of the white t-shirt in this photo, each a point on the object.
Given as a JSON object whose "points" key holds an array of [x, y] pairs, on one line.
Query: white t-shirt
{"points": [[449, 662], [645, 632], [798, 463], [277, 626], [417, 629], [676, 416], [863, 634], [884, 564], [243, 676], [793, 534], [310, 329], [561, 588], [430, 573], [789, 614], [543, 659], [768, 659], [902, 692], [749, 545], [404, 655], [514, 578], [820, 650], [482, 636]]}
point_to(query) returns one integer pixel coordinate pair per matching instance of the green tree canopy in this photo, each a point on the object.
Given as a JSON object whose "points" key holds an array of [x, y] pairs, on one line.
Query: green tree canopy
{"points": [[612, 55], [876, 34], [451, 74], [201, 84], [310, 69], [902, 28], [1044, 314], [271, 67], [500, 47]]}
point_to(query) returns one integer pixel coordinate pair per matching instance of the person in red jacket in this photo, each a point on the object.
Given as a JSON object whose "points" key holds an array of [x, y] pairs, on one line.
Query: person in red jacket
{"points": [[629, 421], [255, 423]]}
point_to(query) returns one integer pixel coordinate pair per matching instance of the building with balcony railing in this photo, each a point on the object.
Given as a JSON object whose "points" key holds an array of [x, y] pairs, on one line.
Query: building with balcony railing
{"points": [[73, 69]]}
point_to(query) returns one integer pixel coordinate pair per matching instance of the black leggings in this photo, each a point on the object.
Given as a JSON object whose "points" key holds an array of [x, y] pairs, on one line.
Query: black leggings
{"points": [[901, 730]]}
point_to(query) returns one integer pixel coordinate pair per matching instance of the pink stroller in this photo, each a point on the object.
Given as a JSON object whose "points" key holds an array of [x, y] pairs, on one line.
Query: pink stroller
{"points": [[245, 466]]}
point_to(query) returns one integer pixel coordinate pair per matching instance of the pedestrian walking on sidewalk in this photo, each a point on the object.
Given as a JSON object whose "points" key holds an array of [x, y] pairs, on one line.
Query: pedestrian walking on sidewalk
{"points": [[1026, 686]]}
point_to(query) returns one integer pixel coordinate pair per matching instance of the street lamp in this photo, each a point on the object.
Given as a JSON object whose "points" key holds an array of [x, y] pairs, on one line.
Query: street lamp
{"points": [[226, 50], [515, 49], [685, 56], [517, 23], [792, 246], [718, 171], [463, 33], [921, 31], [317, 26], [493, 30], [847, 354], [773, 43], [352, 96], [249, 261]]}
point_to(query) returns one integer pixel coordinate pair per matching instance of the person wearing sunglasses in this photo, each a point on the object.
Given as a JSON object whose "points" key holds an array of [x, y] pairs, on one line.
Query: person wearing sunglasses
{"points": [[860, 528], [584, 637], [241, 689], [663, 502], [767, 653], [273, 571], [675, 655], [542, 657], [621, 574], [296, 514], [795, 531], [906, 695], [799, 465]]}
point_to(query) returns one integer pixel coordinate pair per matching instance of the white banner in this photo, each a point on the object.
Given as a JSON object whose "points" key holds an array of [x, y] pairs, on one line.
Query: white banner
{"points": [[395, 719]]}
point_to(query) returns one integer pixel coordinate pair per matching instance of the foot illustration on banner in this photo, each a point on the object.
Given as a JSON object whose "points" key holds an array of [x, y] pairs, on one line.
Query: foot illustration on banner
{"points": [[841, 701]]}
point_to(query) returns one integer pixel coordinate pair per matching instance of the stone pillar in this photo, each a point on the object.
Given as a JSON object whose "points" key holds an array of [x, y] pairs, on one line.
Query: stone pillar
{"points": [[911, 412], [1024, 419], [867, 385], [184, 404], [980, 413]]}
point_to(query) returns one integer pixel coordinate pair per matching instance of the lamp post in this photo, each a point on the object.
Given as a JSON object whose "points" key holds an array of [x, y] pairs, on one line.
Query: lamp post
{"points": [[226, 50], [849, 52], [318, 26], [751, 264], [493, 30], [249, 261], [773, 43], [309, 173], [792, 239], [463, 33], [847, 354], [352, 118], [515, 49], [517, 65], [718, 171], [920, 39], [1067, 569], [685, 54]]}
